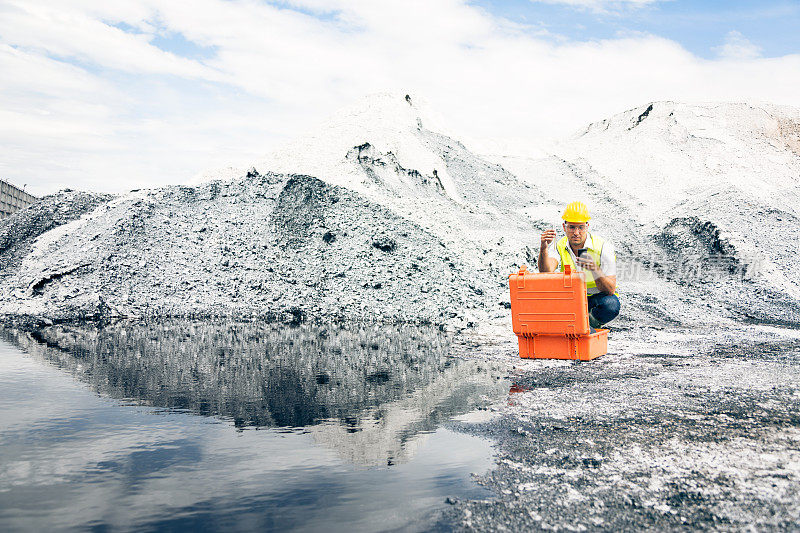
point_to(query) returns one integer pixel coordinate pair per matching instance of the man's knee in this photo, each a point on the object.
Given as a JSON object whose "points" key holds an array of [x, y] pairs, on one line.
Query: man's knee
{"points": [[612, 304], [607, 308]]}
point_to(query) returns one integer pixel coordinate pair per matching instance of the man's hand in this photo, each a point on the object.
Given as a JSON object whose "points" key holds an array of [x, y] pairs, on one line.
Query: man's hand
{"points": [[606, 284], [547, 237], [586, 262], [546, 263]]}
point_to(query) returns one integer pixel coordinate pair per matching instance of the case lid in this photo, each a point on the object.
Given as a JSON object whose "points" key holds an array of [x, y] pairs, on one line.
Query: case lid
{"points": [[549, 303]]}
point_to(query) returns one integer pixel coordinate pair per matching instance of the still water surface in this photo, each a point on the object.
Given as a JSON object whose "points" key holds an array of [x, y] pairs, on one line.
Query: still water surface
{"points": [[228, 426]]}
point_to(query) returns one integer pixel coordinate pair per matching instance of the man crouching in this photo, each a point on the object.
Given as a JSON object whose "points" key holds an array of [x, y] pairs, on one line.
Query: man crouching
{"points": [[588, 253]]}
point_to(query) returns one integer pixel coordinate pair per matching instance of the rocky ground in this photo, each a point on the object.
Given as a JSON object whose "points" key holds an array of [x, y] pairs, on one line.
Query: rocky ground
{"points": [[673, 430], [17, 233], [282, 247]]}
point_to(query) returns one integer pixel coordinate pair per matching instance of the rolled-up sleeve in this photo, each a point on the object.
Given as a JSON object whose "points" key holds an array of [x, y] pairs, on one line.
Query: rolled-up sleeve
{"points": [[608, 260]]}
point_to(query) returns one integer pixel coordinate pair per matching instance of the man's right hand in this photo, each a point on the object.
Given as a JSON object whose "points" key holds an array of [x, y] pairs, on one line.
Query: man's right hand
{"points": [[548, 236]]}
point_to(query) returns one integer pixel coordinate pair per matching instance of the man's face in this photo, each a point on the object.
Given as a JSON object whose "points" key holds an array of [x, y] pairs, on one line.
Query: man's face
{"points": [[576, 232]]}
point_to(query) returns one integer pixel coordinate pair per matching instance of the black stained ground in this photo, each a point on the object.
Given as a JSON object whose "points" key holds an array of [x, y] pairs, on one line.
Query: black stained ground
{"points": [[706, 437]]}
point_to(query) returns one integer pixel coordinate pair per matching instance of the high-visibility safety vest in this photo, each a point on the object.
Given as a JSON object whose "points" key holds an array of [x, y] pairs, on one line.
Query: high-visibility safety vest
{"points": [[594, 247]]}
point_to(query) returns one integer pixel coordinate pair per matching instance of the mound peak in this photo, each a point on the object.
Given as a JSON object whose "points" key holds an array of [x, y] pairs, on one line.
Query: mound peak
{"points": [[721, 120]]}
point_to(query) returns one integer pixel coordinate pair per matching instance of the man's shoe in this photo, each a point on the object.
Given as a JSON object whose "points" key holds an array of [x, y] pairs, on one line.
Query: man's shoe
{"points": [[593, 322]]}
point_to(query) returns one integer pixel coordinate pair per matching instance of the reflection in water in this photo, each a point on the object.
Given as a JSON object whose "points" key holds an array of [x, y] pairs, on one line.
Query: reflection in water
{"points": [[370, 393]]}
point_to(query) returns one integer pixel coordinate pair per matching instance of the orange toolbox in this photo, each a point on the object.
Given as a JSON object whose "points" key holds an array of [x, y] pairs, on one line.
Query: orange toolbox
{"points": [[550, 317]]}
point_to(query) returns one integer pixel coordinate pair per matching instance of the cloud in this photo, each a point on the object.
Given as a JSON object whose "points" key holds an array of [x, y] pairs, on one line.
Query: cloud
{"points": [[95, 99], [601, 5], [60, 32], [737, 46]]}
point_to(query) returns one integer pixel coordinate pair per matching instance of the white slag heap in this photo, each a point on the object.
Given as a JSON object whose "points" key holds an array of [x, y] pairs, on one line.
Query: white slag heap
{"points": [[700, 200], [379, 215]]}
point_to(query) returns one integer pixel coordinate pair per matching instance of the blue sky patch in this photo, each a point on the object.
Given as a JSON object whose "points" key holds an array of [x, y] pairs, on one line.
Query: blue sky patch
{"points": [[699, 26], [179, 45], [170, 41]]}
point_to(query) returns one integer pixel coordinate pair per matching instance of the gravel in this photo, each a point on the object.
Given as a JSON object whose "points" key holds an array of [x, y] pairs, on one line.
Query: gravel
{"points": [[672, 430], [18, 232], [281, 247]]}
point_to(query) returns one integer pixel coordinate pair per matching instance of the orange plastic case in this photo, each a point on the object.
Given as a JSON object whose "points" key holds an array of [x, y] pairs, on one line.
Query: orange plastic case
{"points": [[550, 318], [582, 348]]}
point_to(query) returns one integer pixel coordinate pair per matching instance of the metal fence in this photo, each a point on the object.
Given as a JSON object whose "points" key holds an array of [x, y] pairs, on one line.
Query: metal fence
{"points": [[13, 199]]}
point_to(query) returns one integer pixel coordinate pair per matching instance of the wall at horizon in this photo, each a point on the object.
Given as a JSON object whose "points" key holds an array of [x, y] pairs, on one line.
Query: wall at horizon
{"points": [[13, 199]]}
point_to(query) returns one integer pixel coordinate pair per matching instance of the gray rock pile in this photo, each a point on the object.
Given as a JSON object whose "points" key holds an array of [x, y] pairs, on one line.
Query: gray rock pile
{"points": [[282, 247], [18, 232]]}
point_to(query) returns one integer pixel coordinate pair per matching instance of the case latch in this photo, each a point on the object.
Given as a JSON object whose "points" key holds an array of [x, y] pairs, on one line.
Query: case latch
{"points": [[521, 277]]}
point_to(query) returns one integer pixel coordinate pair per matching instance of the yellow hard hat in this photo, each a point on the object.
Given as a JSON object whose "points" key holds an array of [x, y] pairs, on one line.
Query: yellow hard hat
{"points": [[576, 212]]}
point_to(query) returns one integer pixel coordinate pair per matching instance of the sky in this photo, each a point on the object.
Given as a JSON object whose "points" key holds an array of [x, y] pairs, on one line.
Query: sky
{"points": [[111, 95]]}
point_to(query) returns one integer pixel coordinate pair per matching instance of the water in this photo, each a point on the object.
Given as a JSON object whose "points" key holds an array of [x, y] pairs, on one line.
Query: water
{"points": [[235, 426]]}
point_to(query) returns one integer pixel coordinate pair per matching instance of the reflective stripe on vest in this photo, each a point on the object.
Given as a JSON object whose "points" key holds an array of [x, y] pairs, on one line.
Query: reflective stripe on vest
{"points": [[593, 245]]}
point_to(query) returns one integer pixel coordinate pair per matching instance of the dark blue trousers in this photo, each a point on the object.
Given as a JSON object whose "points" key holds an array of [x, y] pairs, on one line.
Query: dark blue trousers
{"points": [[604, 307]]}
